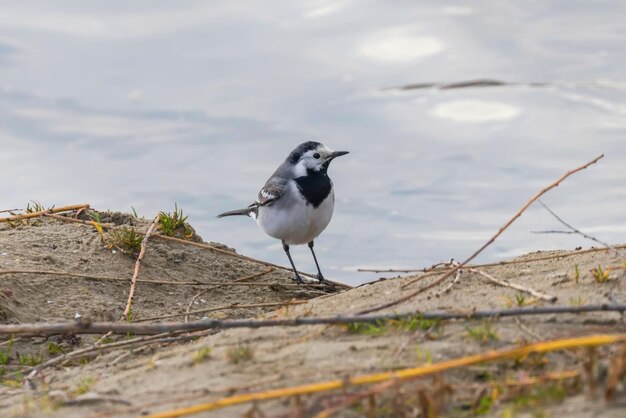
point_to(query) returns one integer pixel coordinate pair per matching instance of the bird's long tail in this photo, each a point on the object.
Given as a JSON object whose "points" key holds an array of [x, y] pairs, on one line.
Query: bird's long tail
{"points": [[249, 211]]}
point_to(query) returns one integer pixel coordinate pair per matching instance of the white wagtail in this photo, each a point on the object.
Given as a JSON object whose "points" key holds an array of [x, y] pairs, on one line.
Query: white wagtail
{"points": [[297, 201]]}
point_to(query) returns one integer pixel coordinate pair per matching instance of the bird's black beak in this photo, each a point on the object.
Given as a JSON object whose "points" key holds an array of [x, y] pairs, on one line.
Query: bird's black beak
{"points": [[336, 154]]}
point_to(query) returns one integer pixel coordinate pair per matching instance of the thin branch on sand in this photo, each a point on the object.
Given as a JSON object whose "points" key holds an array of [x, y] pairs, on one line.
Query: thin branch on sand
{"points": [[43, 212], [133, 281], [506, 283], [151, 339], [492, 239], [497, 263], [225, 307], [64, 274], [449, 287], [239, 280], [572, 230], [86, 327], [8, 210]]}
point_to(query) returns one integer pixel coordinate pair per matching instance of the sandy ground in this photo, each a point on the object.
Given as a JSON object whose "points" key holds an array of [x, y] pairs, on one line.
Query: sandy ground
{"points": [[150, 378]]}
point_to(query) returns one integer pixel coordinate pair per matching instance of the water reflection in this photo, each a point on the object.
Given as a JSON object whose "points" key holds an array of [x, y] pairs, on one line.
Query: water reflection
{"points": [[148, 103]]}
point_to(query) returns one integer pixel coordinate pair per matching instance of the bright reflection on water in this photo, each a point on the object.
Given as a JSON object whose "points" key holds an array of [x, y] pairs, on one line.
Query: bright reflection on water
{"points": [[148, 103]]}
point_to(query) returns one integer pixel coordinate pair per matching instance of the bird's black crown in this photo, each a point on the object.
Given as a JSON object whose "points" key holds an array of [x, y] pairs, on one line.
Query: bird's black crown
{"points": [[297, 153]]}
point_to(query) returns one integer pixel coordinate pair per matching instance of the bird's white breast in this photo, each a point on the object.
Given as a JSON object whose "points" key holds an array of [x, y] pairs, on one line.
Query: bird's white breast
{"points": [[294, 221]]}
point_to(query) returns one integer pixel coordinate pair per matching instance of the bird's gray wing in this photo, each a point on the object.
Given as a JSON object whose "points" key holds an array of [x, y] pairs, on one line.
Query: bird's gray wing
{"points": [[272, 191]]}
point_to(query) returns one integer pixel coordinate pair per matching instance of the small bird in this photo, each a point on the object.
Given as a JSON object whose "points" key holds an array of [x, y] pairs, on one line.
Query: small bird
{"points": [[297, 201]]}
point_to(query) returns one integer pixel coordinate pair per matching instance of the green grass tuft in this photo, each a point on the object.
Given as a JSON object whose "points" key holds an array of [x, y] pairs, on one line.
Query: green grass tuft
{"points": [[202, 355], [126, 239], [5, 353], [240, 353], [170, 222], [483, 333]]}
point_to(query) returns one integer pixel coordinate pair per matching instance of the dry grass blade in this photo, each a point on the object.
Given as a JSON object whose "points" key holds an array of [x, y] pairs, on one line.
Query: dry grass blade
{"points": [[492, 239], [133, 281], [42, 212], [521, 288], [225, 307], [406, 374]]}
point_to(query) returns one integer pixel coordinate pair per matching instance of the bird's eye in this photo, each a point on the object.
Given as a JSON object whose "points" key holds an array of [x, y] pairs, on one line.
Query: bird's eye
{"points": [[316, 156]]}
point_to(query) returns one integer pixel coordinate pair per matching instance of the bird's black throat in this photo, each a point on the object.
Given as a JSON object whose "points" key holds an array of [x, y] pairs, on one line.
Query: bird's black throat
{"points": [[315, 186]]}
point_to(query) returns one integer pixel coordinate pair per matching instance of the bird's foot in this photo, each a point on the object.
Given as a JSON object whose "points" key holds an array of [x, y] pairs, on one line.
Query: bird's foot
{"points": [[325, 282], [298, 279]]}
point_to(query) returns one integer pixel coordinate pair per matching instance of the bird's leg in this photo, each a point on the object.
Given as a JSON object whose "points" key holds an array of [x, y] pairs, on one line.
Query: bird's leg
{"points": [[320, 277], [286, 248]]}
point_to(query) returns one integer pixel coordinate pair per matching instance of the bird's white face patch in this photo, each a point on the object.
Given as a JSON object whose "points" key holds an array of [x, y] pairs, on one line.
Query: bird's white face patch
{"points": [[312, 160]]}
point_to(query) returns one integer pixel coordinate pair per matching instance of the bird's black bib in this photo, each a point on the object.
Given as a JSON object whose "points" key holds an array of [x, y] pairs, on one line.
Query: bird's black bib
{"points": [[315, 186]]}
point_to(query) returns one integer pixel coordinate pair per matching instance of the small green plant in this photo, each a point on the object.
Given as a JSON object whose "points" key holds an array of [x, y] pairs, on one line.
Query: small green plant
{"points": [[240, 353], [36, 207], [107, 340], [83, 386], [539, 395], [408, 324], [379, 328], [95, 216], [601, 276], [170, 222], [54, 349], [202, 355], [578, 300], [29, 360], [32, 207], [135, 215], [5, 353], [576, 274], [424, 355], [483, 333], [520, 299], [16, 382], [416, 322], [130, 317], [126, 239], [484, 405]]}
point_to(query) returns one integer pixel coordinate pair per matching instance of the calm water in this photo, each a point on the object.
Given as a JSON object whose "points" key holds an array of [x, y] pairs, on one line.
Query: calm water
{"points": [[149, 103]]}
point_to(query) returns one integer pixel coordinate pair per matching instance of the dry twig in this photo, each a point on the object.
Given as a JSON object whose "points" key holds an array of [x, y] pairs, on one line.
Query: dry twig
{"points": [[220, 308], [492, 239], [86, 327], [165, 337], [506, 283], [572, 229], [449, 287], [133, 281], [63, 274], [43, 212], [8, 210], [497, 263]]}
